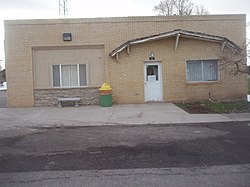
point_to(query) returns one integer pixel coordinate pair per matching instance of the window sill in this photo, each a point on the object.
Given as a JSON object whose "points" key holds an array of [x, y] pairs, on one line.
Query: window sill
{"points": [[66, 88], [202, 82], [73, 87]]}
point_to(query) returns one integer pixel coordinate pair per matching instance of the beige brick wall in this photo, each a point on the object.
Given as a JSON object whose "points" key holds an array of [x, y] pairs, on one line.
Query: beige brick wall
{"points": [[128, 79], [126, 76]]}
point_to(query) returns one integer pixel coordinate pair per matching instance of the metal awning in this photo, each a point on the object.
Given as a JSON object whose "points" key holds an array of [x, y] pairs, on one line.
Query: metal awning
{"points": [[177, 33]]}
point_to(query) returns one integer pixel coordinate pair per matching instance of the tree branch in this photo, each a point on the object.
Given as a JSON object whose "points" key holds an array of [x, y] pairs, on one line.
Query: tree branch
{"points": [[234, 64]]}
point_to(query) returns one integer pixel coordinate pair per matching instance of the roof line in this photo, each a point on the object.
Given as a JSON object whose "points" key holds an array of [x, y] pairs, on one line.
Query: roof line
{"points": [[196, 35]]}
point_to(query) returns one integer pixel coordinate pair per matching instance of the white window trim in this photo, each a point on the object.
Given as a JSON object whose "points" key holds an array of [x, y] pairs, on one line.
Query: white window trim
{"points": [[60, 71], [78, 74], [193, 82]]}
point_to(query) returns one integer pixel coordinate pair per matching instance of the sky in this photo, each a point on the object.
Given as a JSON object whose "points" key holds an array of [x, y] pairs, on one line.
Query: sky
{"points": [[40, 9]]}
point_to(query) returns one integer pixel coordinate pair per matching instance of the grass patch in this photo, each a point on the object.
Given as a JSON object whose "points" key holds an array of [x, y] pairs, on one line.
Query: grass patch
{"points": [[228, 107], [215, 107]]}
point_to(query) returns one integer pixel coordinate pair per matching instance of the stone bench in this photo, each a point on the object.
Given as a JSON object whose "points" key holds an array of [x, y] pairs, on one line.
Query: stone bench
{"points": [[74, 99]]}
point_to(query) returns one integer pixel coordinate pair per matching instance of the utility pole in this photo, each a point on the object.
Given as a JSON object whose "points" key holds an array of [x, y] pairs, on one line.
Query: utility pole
{"points": [[63, 8]]}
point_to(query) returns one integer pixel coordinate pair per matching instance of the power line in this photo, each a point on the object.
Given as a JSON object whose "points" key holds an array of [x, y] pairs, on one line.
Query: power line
{"points": [[63, 8]]}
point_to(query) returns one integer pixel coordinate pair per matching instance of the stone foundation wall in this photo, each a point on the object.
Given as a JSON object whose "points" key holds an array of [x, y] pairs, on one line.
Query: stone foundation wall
{"points": [[49, 97]]}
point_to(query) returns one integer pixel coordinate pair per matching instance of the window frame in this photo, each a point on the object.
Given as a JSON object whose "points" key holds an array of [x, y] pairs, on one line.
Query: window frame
{"points": [[202, 72], [78, 75]]}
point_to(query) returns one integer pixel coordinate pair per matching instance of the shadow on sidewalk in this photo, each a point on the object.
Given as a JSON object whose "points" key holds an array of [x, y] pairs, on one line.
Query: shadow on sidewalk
{"points": [[3, 99]]}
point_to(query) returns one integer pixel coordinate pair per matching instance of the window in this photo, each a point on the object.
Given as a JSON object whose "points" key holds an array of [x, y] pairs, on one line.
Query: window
{"points": [[69, 75], [202, 70], [152, 73]]}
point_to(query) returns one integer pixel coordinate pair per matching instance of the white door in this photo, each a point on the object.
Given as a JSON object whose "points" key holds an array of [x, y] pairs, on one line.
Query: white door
{"points": [[152, 82]]}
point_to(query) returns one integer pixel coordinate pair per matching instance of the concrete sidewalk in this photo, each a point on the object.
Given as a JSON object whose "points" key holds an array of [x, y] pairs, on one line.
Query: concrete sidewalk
{"points": [[134, 114]]}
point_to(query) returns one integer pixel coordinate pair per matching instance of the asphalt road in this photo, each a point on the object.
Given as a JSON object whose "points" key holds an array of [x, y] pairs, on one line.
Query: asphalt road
{"points": [[128, 147]]}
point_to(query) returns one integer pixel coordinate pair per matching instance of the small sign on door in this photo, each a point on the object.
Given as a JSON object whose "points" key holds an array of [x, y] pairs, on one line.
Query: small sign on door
{"points": [[151, 78]]}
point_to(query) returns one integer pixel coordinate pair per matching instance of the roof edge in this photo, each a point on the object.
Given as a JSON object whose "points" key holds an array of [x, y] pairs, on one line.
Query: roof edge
{"points": [[124, 19]]}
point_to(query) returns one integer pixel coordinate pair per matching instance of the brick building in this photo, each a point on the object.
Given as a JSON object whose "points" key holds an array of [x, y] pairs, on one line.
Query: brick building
{"points": [[160, 58]]}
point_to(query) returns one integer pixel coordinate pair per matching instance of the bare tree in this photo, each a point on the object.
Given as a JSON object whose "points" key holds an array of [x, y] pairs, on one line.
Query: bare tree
{"points": [[184, 7], [200, 10], [235, 63], [179, 7], [165, 7]]}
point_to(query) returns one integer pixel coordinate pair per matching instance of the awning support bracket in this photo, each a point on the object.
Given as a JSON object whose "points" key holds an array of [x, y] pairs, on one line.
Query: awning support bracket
{"points": [[177, 41], [128, 50]]}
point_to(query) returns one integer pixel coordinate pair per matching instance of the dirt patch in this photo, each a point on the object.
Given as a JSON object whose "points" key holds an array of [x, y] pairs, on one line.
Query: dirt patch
{"points": [[195, 108]]}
